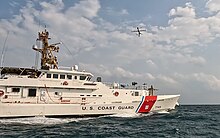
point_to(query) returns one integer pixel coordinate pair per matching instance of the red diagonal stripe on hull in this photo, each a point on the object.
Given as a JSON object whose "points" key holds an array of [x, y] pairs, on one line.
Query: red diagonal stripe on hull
{"points": [[147, 104]]}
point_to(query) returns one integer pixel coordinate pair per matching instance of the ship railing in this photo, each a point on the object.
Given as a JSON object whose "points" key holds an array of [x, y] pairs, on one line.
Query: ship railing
{"points": [[125, 86], [6, 76], [75, 67]]}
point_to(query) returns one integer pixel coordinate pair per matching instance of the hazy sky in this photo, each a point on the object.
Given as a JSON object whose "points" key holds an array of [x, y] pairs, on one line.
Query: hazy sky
{"points": [[179, 53]]}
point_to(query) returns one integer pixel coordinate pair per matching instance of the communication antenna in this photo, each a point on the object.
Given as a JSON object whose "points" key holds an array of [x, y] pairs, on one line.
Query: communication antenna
{"points": [[68, 50], [4, 50], [37, 45]]}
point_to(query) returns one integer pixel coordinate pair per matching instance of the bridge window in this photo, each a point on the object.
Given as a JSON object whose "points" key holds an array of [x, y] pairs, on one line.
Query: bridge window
{"points": [[48, 75], [82, 77], [75, 77], [69, 77], [62, 76], [88, 78], [15, 90], [55, 76], [32, 92]]}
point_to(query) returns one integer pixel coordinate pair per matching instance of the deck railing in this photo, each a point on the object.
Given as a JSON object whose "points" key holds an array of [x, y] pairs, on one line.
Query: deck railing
{"points": [[125, 86]]}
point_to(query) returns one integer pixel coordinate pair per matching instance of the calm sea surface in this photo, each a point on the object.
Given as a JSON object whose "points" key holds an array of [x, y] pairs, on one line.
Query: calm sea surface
{"points": [[186, 121]]}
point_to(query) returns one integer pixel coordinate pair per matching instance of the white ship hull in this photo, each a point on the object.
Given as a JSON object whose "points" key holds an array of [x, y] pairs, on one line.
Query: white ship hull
{"points": [[146, 105]]}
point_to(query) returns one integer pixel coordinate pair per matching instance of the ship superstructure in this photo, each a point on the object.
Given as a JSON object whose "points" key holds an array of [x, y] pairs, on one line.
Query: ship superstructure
{"points": [[54, 92]]}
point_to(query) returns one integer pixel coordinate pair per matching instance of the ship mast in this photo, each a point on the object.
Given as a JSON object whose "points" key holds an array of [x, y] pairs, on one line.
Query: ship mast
{"points": [[48, 60]]}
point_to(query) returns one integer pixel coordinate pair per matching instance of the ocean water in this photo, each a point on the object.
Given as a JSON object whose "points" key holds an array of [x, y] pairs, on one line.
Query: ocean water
{"points": [[187, 121]]}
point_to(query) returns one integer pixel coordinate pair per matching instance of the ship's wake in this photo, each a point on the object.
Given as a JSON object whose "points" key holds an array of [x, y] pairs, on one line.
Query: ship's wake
{"points": [[41, 120], [138, 115], [54, 121], [163, 112], [130, 115]]}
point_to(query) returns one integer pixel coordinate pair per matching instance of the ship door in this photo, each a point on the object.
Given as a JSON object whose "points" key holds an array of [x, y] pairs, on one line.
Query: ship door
{"points": [[43, 96]]}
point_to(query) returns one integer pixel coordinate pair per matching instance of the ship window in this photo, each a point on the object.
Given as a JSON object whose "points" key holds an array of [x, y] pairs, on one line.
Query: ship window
{"points": [[75, 77], [48, 75], [89, 78], [32, 92], [82, 77], [62, 76], [69, 77], [136, 93], [100, 95], [81, 95], [55, 76], [15, 90], [94, 95], [87, 95]]}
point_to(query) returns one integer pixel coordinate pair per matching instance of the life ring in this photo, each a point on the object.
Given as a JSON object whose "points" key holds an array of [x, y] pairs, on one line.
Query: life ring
{"points": [[1, 93], [65, 83], [116, 93]]}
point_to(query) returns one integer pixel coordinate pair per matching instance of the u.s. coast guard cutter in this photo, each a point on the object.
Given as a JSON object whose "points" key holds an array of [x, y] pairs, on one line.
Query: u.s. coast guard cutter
{"points": [[54, 92]]}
